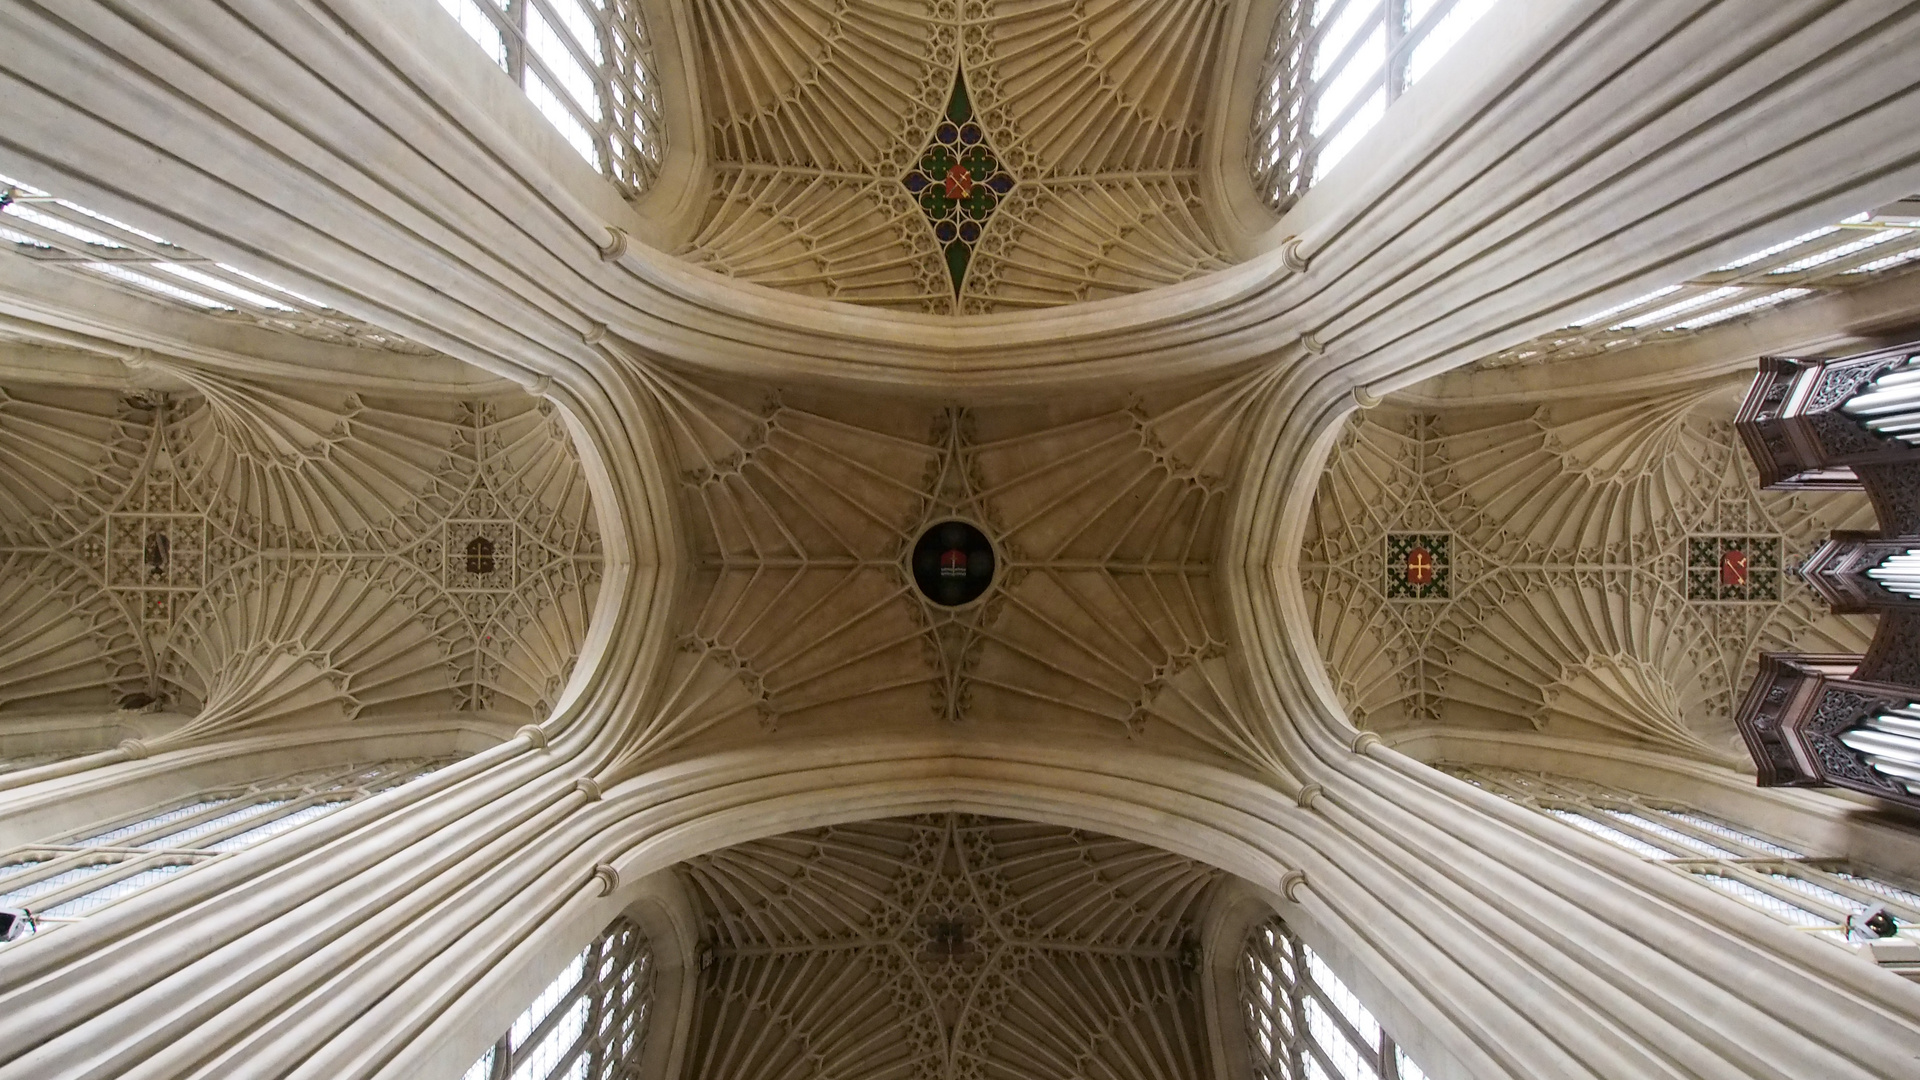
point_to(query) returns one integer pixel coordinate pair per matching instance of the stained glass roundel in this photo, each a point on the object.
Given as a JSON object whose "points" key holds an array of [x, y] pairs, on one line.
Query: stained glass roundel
{"points": [[952, 563]]}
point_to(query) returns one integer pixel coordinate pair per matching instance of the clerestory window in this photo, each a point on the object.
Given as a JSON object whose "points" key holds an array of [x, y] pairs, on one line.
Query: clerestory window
{"points": [[1812, 894], [1331, 71], [65, 235], [1858, 250], [587, 65], [590, 1023], [77, 875], [1302, 1021]]}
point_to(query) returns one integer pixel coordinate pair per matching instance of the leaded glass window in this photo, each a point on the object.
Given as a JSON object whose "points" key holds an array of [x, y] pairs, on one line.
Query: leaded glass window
{"points": [[1303, 1023], [587, 65], [589, 1023], [1331, 71], [80, 873], [65, 235], [1810, 893], [1857, 250]]}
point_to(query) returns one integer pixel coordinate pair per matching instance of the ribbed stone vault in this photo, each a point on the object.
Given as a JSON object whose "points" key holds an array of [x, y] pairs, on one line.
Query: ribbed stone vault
{"points": [[257, 556], [1103, 620], [947, 946], [1564, 604], [816, 116], [761, 462]]}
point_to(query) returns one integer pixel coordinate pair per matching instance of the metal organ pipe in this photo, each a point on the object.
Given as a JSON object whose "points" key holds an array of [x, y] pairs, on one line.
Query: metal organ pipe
{"points": [[1890, 405], [1899, 573], [1890, 743]]}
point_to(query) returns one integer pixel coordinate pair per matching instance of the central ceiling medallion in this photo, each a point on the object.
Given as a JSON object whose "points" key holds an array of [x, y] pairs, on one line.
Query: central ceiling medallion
{"points": [[959, 182], [952, 563]]}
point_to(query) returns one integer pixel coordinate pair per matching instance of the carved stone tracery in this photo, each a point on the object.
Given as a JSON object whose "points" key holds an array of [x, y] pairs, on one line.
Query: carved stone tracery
{"points": [[1569, 607], [1095, 110], [947, 946], [257, 556], [1102, 617]]}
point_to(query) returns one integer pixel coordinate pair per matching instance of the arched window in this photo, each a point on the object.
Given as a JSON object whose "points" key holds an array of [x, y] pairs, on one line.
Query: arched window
{"points": [[66, 879], [1814, 894], [1302, 1021], [1331, 71], [590, 1023], [588, 67]]}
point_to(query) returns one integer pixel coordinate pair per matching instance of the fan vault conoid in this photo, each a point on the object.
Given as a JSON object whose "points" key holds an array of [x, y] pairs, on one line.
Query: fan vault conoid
{"points": [[948, 946], [1076, 129], [767, 373]]}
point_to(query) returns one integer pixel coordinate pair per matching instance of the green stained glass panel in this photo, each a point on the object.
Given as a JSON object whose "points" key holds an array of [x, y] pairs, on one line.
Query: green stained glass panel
{"points": [[958, 182]]}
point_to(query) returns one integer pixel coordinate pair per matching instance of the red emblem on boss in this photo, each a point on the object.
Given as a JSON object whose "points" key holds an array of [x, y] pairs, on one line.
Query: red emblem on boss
{"points": [[1733, 567], [953, 563], [1419, 566], [959, 182]]}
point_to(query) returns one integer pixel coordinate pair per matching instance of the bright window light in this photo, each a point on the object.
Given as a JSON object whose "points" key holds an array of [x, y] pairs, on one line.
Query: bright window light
{"points": [[587, 67], [1281, 979], [1332, 70], [72, 877], [1758, 871], [551, 1040]]}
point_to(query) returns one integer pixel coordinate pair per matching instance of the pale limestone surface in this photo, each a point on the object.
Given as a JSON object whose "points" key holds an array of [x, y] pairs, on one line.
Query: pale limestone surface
{"points": [[706, 488]]}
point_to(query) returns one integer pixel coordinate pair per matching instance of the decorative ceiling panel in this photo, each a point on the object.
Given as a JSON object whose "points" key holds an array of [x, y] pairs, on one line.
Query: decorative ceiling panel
{"points": [[1603, 570], [256, 556], [947, 946], [822, 114], [1104, 518]]}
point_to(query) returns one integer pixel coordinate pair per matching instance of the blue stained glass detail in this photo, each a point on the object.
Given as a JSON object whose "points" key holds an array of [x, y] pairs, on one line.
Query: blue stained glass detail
{"points": [[958, 182]]}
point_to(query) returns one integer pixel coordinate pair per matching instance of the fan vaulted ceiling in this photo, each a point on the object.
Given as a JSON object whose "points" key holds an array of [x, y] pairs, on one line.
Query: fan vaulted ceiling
{"points": [[1574, 596], [251, 557], [818, 114], [947, 946], [1104, 620]]}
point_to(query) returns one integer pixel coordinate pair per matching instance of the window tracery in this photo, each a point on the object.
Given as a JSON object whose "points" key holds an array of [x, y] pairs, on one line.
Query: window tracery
{"points": [[63, 234], [1853, 252], [74, 876], [1811, 893], [587, 66], [1303, 1023], [589, 1023], [1331, 70]]}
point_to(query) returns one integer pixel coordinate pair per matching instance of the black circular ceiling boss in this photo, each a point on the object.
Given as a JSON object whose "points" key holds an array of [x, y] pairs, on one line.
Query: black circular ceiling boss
{"points": [[952, 563]]}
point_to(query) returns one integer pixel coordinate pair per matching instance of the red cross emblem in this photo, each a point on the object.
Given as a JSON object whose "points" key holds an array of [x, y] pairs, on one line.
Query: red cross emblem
{"points": [[953, 563], [1419, 566], [1733, 567], [959, 182]]}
